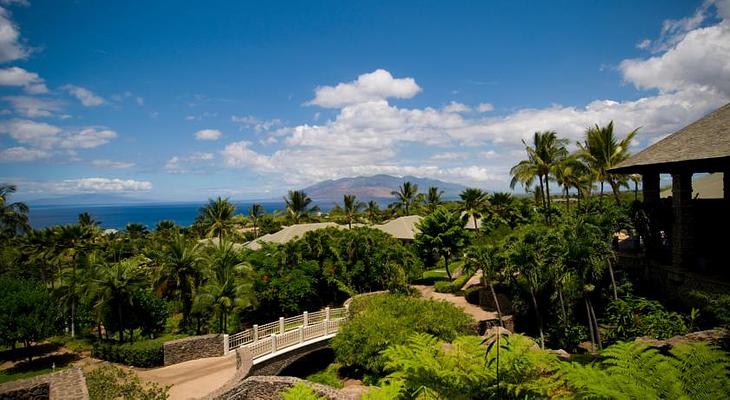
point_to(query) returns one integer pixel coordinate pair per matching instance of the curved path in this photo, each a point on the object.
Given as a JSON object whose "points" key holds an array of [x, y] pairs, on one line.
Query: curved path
{"points": [[193, 379], [475, 311]]}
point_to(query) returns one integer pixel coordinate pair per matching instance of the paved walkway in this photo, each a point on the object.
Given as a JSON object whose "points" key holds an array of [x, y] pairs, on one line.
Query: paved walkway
{"points": [[193, 379], [475, 311]]}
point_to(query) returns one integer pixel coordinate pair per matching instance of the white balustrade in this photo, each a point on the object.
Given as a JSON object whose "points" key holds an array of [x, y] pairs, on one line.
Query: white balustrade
{"points": [[276, 336]]}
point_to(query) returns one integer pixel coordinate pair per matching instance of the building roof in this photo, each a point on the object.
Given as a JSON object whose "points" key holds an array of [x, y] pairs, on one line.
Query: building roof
{"points": [[704, 187], [291, 232], [707, 140], [404, 228], [214, 242]]}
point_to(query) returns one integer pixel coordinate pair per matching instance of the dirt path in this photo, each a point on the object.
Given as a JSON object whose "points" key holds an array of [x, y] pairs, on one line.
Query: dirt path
{"points": [[475, 311], [193, 379]]}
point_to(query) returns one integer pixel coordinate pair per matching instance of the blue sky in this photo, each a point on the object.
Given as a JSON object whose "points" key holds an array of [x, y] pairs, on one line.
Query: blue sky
{"points": [[187, 100]]}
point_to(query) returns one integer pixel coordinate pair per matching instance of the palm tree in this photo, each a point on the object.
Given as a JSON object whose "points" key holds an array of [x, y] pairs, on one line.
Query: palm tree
{"points": [[229, 285], [217, 217], [117, 286], [254, 212], [71, 241], [13, 216], [350, 208], [473, 205], [601, 150], [373, 212], [570, 173], [636, 178], [86, 219], [297, 205], [406, 196], [441, 233], [180, 273], [546, 152], [433, 198], [136, 231], [486, 258]]}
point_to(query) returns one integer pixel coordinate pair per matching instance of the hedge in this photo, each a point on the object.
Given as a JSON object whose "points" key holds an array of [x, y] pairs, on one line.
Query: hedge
{"points": [[143, 353]]}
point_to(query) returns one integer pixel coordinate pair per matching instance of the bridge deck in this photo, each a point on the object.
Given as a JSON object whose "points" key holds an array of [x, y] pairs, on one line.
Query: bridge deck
{"points": [[193, 379]]}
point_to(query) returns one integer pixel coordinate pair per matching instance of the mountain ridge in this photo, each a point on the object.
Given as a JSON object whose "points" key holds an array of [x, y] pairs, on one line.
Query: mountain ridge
{"points": [[376, 187]]}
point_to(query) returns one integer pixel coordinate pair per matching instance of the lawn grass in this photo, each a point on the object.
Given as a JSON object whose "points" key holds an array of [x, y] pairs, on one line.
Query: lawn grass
{"points": [[328, 376], [12, 374], [432, 276]]}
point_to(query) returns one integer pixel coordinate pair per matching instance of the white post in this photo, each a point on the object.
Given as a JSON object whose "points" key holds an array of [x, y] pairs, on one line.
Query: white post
{"points": [[301, 334], [281, 325], [326, 327], [273, 343], [305, 318], [226, 344], [327, 314], [255, 333]]}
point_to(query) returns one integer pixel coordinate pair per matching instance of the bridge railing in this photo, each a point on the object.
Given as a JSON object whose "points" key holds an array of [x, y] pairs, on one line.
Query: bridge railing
{"points": [[286, 332]]}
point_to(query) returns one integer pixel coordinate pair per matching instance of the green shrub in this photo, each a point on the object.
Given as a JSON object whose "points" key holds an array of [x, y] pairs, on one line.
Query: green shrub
{"points": [[110, 382], [329, 376], [714, 307], [380, 321], [143, 353], [452, 286], [636, 316], [301, 391]]}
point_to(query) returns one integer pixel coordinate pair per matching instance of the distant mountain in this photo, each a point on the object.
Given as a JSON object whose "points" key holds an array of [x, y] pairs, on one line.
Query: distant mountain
{"points": [[86, 200], [376, 187]]}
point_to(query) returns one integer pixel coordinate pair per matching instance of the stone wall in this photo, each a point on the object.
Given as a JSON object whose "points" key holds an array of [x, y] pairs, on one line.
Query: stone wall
{"points": [[68, 384], [270, 388], [193, 348]]}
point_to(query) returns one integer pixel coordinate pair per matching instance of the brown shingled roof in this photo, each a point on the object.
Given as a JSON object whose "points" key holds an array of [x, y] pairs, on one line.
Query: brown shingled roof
{"points": [[705, 139]]}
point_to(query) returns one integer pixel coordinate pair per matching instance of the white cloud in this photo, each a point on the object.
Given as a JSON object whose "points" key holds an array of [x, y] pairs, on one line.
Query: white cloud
{"points": [[240, 155], [100, 185], [32, 107], [29, 81], [258, 125], [38, 134], [451, 155], [376, 85], [185, 164], [111, 164], [88, 138], [489, 154], [208, 134], [485, 107], [85, 96], [10, 47], [22, 154], [455, 107]]}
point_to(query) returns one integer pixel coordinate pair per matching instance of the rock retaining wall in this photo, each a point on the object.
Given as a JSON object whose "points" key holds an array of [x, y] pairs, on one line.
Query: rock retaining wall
{"points": [[270, 387], [68, 384], [193, 348]]}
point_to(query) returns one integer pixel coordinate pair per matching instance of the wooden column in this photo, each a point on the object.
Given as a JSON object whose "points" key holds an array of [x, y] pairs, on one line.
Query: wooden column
{"points": [[650, 187], [683, 235]]}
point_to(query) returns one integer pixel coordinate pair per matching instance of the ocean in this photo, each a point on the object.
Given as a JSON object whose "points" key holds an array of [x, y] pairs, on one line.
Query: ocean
{"points": [[118, 216]]}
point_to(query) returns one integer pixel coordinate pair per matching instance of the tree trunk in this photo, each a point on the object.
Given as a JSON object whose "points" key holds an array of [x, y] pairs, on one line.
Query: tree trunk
{"points": [[446, 266], [496, 304], [613, 281], [567, 199], [547, 190], [539, 318], [595, 325], [616, 191], [562, 306], [73, 296], [121, 322], [590, 324], [601, 195], [636, 190], [476, 228], [542, 192]]}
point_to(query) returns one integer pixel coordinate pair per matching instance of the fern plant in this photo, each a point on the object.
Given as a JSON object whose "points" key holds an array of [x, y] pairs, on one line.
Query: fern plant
{"points": [[632, 370]]}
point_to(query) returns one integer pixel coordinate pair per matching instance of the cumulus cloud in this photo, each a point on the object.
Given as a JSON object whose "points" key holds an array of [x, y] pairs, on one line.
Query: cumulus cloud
{"points": [[450, 155], [485, 107], [258, 125], [87, 138], [10, 47], [376, 85], [185, 164], [455, 107], [22, 154], [38, 134], [111, 164], [29, 81], [28, 106], [85, 96], [101, 185], [208, 134]]}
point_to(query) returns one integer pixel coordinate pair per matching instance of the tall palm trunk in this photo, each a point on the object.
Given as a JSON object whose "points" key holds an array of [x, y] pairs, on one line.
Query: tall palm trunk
{"points": [[590, 323], [496, 303], [595, 325], [613, 280], [446, 266], [547, 190], [539, 318], [73, 296], [121, 322], [567, 199], [542, 192], [562, 306]]}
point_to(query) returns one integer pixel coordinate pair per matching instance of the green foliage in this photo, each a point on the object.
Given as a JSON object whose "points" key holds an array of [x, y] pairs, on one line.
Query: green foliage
{"points": [[632, 370], [300, 391], [452, 286], [27, 312], [142, 353], [460, 370], [441, 235], [637, 316], [380, 321], [109, 382], [329, 376], [714, 307]]}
